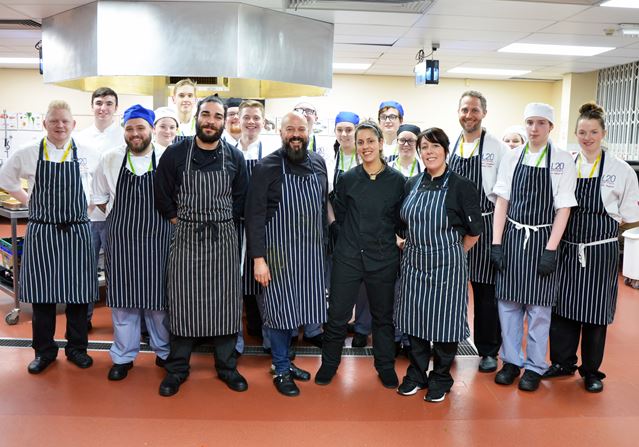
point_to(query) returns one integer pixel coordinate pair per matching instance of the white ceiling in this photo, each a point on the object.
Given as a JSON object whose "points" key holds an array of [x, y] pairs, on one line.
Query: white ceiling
{"points": [[469, 33]]}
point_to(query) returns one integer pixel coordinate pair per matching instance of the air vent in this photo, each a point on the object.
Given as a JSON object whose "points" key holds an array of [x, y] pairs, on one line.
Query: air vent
{"points": [[19, 24], [210, 83], [405, 6]]}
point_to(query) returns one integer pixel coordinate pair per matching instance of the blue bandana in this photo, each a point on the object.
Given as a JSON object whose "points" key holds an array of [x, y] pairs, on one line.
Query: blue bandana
{"points": [[393, 104], [348, 117]]}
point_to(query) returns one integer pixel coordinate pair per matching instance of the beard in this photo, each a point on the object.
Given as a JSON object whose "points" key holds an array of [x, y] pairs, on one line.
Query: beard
{"points": [[199, 132], [140, 147], [296, 156], [470, 128]]}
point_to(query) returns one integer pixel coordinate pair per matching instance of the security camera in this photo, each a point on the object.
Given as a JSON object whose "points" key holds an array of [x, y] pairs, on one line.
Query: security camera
{"points": [[435, 46]]}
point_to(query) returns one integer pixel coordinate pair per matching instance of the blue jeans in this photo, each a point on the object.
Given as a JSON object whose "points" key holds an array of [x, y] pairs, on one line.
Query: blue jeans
{"points": [[98, 236], [280, 341]]}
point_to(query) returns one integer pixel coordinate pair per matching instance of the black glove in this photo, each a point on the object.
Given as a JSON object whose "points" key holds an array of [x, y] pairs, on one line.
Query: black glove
{"points": [[497, 257], [547, 262]]}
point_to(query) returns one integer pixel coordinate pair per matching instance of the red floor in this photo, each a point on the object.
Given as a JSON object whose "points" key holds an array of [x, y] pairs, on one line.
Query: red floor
{"points": [[66, 406]]}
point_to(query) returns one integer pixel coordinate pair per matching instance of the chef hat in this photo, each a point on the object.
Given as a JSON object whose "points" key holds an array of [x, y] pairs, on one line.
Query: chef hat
{"points": [[233, 102], [539, 109], [393, 104], [165, 112], [347, 117], [408, 128], [519, 130], [137, 111]]}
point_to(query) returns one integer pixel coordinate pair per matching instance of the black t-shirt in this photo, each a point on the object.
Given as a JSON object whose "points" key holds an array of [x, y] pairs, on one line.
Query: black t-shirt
{"points": [[462, 200], [168, 177]]}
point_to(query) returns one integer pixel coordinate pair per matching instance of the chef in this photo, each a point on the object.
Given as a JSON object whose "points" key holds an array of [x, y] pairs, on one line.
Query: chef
{"points": [[165, 128], [285, 226], [536, 189], [390, 115], [407, 162], [200, 186], [185, 98], [586, 289], [138, 239], [57, 262], [232, 128], [476, 156]]}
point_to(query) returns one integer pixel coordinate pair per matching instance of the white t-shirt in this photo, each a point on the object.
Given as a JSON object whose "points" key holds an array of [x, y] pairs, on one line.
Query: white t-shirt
{"points": [[492, 153], [391, 149], [106, 175], [563, 175], [23, 163]]}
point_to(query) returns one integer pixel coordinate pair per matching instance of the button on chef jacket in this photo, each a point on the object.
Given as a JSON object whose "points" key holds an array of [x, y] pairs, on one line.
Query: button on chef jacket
{"points": [[168, 177], [265, 193]]}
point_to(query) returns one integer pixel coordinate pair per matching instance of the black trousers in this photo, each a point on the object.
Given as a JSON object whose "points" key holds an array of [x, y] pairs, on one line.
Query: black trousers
{"points": [[253, 317], [43, 329], [178, 361], [564, 340], [486, 328], [346, 279], [443, 355]]}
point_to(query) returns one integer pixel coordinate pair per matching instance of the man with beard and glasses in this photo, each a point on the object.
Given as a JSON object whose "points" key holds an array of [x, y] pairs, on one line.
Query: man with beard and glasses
{"points": [[285, 227], [200, 186], [476, 156], [137, 244], [232, 126]]}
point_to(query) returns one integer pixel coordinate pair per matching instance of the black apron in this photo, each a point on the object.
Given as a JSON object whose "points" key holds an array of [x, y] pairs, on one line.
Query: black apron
{"points": [[57, 263], [433, 299], [530, 217], [204, 281], [588, 258], [138, 240], [479, 265], [295, 255], [249, 285]]}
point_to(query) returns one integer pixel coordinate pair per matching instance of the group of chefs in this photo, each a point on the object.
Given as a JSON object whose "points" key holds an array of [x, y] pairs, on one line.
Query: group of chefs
{"points": [[196, 216]]}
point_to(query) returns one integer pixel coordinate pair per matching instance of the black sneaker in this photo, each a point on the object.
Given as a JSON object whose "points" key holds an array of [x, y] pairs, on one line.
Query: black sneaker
{"points": [[285, 385], [507, 374], [389, 378], [529, 381], [556, 370], [435, 396], [409, 387]]}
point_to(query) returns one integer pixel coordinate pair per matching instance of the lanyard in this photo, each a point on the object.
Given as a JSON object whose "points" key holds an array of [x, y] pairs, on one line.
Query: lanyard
{"points": [[46, 152], [461, 147], [128, 156], [541, 157], [592, 170], [311, 144], [341, 160]]}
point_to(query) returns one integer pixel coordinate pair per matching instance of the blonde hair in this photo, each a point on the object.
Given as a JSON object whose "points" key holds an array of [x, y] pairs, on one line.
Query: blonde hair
{"points": [[251, 103], [58, 104], [183, 82]]}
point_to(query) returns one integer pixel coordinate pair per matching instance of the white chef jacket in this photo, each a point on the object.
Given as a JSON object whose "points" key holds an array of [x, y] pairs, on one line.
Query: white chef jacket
{"points": [[106, 175], [111, 137], [22, 164], [187, 129], [226, 136], [252, 152], [619, 187], [563, 174], [492, 153]]}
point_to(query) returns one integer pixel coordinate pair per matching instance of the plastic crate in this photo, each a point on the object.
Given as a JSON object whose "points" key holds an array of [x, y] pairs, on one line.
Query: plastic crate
{"points": [[5, 245]]}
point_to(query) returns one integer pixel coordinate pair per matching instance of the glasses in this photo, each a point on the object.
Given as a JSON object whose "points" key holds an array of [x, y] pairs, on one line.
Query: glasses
{"points": [[388, 117], [408, 141], [304, 111], [232, 114]]}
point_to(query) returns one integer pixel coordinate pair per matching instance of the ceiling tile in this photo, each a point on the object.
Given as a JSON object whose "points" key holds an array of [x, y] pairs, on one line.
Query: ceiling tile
{"points": [[367, 40], [485, 24], [495, 9], [370, 30]]}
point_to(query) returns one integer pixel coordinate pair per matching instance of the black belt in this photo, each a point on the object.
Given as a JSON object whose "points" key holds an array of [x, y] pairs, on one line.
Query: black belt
{"points": [[210, 224], [62, 226]]}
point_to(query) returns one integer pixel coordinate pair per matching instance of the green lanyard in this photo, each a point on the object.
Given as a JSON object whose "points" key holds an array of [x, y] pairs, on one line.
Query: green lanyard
{"points": [[311, 144], [128, 156], [341, 160], [592, 171], [541, 157]]}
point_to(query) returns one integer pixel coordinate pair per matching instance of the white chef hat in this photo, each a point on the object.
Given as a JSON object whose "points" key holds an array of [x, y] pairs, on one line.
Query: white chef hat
{"points": [[539, 109], [519, 130], [165, 112]]}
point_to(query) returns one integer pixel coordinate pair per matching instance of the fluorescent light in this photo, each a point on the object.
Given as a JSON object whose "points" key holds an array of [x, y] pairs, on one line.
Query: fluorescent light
{"points": [[349, 66], [621, 4], [488, 71], [19, 60], [629, 29], [556, 50]]}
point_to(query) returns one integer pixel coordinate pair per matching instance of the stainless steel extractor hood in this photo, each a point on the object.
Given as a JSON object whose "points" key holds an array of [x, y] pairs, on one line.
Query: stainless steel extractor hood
{"points": [[136, 46]]}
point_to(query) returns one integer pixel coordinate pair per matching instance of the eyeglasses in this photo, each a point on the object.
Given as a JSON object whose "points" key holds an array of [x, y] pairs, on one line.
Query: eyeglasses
{"points": [[388, 117], [408, 141], [231, 114], [304, 111]]}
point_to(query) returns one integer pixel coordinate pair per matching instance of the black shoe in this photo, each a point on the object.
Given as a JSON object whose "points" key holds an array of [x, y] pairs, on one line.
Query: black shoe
{"points": [[409, 387], [593, 384], [359, 340], [300, 374], [39, 364], [315, 341], [285, 384], [488, 364], [529, 381], [556, 370], [389, 378], [507, 374], [324, 375], [119, 370], [235, 381], [435, 396], [80, 359], [159, 361], [170, 385]]}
